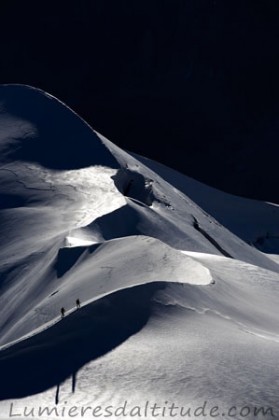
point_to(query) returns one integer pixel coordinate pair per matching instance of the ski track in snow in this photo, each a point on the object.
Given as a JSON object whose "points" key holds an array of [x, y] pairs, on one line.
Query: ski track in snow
{"points": [[243, 327]]}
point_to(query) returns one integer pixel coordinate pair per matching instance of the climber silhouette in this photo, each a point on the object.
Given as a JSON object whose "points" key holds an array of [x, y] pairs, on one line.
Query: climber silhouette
{"points": [[62, 312], [78, 303]]}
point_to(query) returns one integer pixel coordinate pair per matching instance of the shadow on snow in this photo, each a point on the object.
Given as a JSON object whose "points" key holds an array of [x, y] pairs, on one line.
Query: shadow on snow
{"points": [[47, 359]]}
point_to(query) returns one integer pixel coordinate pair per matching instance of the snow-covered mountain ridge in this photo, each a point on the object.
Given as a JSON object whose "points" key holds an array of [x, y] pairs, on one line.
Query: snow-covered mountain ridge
{"points": [[145, 249]]}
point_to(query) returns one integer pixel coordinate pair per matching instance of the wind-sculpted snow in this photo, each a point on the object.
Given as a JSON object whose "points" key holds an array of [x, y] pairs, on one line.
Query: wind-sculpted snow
{"points": [[97, 272], [177, 302]]}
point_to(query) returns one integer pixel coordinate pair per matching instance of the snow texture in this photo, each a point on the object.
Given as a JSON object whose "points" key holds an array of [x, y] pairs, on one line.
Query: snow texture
{"points": [[178, 282]]}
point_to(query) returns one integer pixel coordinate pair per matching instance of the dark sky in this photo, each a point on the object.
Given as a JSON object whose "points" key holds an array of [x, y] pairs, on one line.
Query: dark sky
{"points": [[198, 78]]}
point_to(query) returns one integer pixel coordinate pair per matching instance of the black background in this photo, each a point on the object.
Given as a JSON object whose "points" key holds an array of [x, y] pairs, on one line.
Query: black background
{"points": [[190, 83]]}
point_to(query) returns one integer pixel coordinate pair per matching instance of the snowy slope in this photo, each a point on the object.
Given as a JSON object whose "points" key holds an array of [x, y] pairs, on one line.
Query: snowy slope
{"points": [[177, 305], [254, 221]]}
